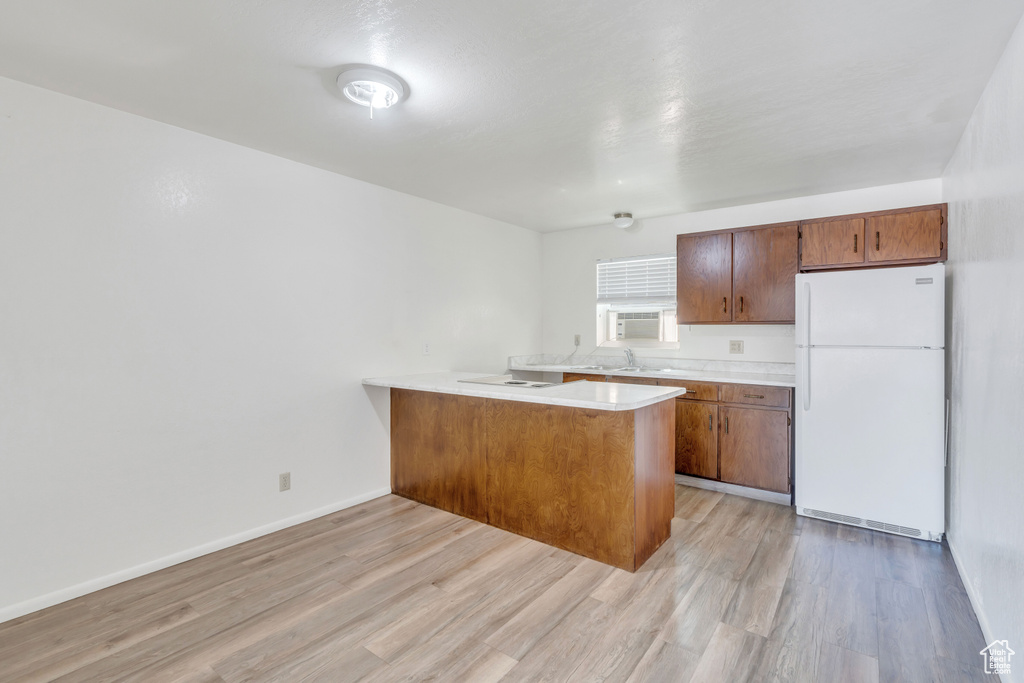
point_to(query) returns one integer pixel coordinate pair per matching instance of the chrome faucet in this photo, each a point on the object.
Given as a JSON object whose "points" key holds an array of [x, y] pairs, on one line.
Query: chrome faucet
{"points": [[630, 359]]}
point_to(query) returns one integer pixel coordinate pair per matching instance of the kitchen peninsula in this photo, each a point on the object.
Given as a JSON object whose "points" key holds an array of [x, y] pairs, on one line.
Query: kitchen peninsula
{"points": [[584, 466]]}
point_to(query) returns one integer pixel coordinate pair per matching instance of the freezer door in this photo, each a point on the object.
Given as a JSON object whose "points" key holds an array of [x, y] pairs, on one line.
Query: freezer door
{"points": [[873, 307], [870, 427]]}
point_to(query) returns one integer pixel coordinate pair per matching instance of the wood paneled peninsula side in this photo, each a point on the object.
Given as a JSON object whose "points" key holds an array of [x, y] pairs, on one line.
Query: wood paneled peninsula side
{"points": [[587, 467]]}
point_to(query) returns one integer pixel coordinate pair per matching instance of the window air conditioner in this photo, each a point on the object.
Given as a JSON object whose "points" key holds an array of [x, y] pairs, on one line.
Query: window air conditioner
{"points": [[637, 325]]}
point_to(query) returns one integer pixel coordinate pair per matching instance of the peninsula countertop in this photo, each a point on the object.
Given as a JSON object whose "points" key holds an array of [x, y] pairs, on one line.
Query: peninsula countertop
{"points": [[593, 395]]}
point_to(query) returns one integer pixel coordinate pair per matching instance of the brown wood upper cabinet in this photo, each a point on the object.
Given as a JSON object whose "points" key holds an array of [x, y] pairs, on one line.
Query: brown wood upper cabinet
{"points": [[900, 236], [764, 265], [907, 235], [737, 276], [832, 242], [704, 278]]}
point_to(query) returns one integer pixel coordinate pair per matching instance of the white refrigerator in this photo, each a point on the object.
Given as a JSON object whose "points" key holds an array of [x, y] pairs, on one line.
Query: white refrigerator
{"points": [[870, 399]]}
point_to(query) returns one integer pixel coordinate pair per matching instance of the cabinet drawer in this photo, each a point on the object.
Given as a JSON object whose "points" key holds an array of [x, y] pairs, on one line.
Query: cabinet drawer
{"points": [[575, 376], [776, 397], [618, 379], [695, 391]]}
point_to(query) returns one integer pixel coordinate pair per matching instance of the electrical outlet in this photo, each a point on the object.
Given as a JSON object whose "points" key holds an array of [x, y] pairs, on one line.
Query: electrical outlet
{"points": [[735, 346], [426, 349], [285, 481], [576, 340]]}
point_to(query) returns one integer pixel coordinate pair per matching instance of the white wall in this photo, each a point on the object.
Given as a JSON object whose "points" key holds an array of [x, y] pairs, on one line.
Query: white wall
{"points": [[984, 184], [183, 319], [570, 258]]}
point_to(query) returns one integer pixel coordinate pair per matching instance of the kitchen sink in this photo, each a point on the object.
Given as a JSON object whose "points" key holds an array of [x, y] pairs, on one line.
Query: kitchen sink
{"points": [[587, 367]]}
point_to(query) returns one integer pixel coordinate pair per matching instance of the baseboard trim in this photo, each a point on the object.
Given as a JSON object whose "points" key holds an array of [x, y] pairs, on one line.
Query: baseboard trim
{"points": [[975, 599], [733, 489], [63, 595]]}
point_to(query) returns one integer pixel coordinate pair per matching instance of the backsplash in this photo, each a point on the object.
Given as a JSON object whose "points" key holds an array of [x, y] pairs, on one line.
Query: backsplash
{"points": [[760, 343], [618, 360]]}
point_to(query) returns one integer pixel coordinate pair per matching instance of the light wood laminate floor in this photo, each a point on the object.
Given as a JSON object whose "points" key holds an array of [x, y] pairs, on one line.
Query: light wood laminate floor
{"points": [[394, 590]]}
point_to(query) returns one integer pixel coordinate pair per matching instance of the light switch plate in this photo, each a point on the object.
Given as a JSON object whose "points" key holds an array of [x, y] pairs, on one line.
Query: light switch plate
{"points": [[735, 346]]}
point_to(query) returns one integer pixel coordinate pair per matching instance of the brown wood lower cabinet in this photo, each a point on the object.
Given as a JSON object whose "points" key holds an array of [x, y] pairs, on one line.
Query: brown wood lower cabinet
{"points": [[440, 443], [735, 433], [697, 439], [594, 482], [619, 379], [755, 448], [578, 376], [749, 443]]}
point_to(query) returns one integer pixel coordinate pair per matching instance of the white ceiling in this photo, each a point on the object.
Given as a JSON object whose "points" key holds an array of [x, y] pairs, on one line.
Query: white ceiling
{"points": [[545, 113]]}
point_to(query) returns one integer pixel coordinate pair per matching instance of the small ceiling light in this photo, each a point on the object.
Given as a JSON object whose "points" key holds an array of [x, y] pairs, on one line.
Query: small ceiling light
{"points": [[371, 87], [623, 220]]}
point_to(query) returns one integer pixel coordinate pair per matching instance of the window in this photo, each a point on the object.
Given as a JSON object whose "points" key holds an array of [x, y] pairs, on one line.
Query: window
{"points": [[636, 302]]}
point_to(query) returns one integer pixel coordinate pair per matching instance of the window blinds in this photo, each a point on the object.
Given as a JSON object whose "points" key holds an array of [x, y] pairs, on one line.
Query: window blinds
{"points": [[638, 280]]}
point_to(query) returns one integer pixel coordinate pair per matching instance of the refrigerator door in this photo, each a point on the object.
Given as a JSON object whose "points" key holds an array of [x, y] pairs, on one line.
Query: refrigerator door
{"points": [[870, 435], [875, 307]]}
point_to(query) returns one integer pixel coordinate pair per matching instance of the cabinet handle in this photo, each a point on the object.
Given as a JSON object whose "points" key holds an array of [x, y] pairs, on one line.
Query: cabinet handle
{"points": [[741, 304], [726, 425], [710, 420], [725, 305], [753, 395], [691, 391], [878, 239], [854, 244]]}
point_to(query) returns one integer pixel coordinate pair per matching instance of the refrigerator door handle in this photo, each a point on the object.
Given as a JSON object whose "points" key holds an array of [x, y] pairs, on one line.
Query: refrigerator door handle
{"points": [[806, 365], [807, 314]]}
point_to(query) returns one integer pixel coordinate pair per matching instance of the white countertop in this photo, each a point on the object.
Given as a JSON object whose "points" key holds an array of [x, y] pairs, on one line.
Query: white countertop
{"points": [[765, 374], [594, 395]]}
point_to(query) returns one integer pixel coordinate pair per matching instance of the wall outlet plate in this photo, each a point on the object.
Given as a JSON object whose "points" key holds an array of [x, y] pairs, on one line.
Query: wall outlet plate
{"points": [[735, 346], [284, 481]]}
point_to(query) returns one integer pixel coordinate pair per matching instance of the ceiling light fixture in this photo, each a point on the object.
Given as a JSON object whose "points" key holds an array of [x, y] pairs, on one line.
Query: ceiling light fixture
{"points": [[371, 87], [623, 220]]}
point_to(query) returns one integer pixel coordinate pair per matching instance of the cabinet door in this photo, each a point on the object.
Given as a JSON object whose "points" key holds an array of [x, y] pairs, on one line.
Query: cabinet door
{"points": [[764, 265], [704, 278], [755, 448], [832, 243], [905, 236], [697, 439]]}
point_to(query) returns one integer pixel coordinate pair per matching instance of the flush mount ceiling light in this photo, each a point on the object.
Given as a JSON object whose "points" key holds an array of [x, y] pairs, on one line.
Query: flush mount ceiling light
{"points": [[623, 220], [371, 87]]}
